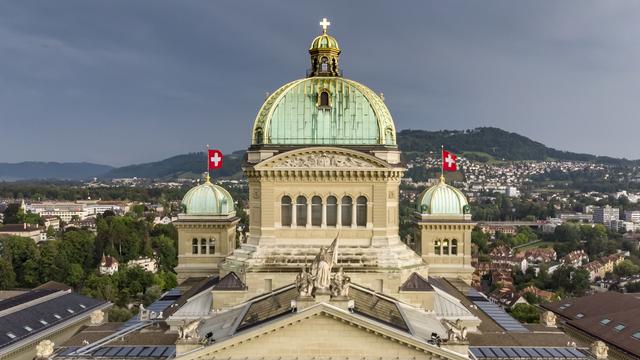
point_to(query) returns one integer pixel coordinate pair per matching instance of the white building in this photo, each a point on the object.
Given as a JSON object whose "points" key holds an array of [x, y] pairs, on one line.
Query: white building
{"points": [[108, 265], [64, 210], [511, 191], [148, 264], [633, 216], [605, 215]]}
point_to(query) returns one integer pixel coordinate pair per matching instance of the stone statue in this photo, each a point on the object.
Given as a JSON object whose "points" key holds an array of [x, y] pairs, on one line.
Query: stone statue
{"points": [[44, 349], [97, 317], [340, 284], [457, 331], [548, 319], [600, 349], [304, 283], [189, 331], [321, 267]]}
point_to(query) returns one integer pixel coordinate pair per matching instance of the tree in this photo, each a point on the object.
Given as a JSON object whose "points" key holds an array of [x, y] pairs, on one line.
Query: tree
{"points": [[7, 275], [481, 239], [12, 213], [167, 251], [626, 268], [525, 313]]}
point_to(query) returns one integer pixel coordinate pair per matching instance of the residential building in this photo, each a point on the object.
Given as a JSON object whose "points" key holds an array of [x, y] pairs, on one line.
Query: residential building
{"points": [[606, 214], [146, 263], [34, 232], [632, 216], [108, 265]]}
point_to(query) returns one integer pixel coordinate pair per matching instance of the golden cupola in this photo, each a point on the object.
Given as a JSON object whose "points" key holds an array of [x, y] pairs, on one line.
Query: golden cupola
{"points": [[325, 54]]}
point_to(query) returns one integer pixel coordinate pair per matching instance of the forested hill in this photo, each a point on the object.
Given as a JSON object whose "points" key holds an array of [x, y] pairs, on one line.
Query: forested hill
{"points": [[490, 143], [190, 165], [51, 170]]}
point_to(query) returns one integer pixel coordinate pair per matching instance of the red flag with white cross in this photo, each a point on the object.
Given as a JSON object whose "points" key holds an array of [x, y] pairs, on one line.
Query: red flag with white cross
{"points": [[215, 159], [449, 161]]}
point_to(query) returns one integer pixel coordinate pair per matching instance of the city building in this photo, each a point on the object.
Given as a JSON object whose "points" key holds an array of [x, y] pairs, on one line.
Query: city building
{"points": [[33, 323], [605, 215], [632, 216], [108, 265], [146, 263], [34, 232]]}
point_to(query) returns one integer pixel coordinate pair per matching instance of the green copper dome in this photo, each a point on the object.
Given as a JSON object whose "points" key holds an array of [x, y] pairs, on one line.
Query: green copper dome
{"points": [[324, 111], [442, 199], [208, 199]]}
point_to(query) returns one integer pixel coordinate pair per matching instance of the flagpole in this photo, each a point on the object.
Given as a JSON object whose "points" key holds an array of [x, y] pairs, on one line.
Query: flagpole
{"points": [[206, 153], [441, 162]]}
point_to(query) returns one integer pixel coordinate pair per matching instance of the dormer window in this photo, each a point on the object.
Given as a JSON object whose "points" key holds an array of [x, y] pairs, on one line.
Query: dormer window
{"points": [[324, 101]]}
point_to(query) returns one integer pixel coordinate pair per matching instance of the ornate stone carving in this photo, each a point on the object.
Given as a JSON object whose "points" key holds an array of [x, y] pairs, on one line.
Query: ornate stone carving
{"points": [[457, 331], [322, 264], [600, 349], [340, 284], [304, 283], [97, 317], [44, 349], [548, 319], [323, 160], [189, 331]]}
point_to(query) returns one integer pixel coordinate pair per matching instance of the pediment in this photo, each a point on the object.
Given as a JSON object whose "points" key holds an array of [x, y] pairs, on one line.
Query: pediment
{"points": [[321, 332], [323, 158]]}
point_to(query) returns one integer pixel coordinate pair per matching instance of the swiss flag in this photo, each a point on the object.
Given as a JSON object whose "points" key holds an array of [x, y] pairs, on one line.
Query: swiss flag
{"points": [[215, 159], [449, 161]]}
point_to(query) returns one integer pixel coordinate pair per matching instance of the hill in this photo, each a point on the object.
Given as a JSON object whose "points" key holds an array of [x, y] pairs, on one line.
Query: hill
{"points": [[488, 143], [190, 165], [51, 170]]}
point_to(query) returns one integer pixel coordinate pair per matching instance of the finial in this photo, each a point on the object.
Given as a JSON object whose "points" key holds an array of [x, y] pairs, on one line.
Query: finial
{"points": [[207, 178], [325, 24], [442, 179]]}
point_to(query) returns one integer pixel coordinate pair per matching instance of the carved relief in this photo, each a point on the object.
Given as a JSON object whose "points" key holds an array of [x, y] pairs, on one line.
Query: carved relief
{"points": [[323, 159], [44, 349]]}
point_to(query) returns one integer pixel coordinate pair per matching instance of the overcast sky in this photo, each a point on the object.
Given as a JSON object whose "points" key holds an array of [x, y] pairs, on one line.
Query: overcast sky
{"points": [[128, 81]]}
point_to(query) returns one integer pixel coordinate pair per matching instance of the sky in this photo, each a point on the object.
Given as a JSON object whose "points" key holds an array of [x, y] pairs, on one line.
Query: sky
{"points": [[120, 82]]}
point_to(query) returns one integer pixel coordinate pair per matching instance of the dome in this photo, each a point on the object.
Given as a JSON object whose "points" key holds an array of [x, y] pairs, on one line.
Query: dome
{"points": [[208, 199], [324, 41], [324, 111], [442, 199]]}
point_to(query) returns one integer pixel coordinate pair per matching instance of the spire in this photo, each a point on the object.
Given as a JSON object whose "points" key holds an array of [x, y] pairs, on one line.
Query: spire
{"points": [[325, 54]]}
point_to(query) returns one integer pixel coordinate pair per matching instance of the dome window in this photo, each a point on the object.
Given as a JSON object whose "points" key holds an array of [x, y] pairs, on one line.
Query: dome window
{"points": [[259, 136], [324, 100], [324, 65]]}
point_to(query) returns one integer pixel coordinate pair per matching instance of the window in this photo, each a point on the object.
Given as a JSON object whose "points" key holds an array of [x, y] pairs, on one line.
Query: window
{"points": [[82, 306], [347, 204], [194, 246], [605, 321], [324, 65], [619, 327], [70, 311], [285, 211], [28, 328], [43, 322], [324, 99], [259, 136], [361, 211], [316, 211], [301, 211], [445, 247], [332, 211], [454, 247], [436, 247], [57, 316], [580, 315], [212, 246], [636, 335], [11, 335], [203, 246]]}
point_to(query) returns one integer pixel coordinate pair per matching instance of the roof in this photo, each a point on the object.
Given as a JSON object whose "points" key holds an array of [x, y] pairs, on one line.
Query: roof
{"points": [[230, 282], [516, 352], [610, 316], [292, 116], [18, 228], [39, 310], [208, 199], [127, 352], [416, 282], [442, 199]]}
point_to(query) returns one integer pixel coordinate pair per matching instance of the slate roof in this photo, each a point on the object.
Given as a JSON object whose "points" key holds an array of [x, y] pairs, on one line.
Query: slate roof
{"points": [[378, 307], [29, 320], [230, 282], [416, 282]]}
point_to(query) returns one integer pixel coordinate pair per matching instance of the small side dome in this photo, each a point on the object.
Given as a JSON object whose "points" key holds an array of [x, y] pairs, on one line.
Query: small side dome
{"points": [[442, 199], [324, 42], [208, 199]]}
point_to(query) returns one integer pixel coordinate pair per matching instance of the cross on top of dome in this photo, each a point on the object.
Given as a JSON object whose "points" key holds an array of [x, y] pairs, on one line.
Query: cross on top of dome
{"points": [[325, 24]]}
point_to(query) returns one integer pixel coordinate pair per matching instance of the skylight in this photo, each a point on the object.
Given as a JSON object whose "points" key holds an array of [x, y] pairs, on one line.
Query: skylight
{"points": [[636, 335], [57, 316], [619, 327], [580, 315], [70, 311], [605, 321], [27, 328], [82, 306], [13, 336], [43, 322]]}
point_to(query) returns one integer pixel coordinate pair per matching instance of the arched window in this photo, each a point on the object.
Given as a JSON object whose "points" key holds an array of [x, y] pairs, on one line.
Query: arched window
{"points": [[259, 136], [212, 246], [332, 211], [316, 211], [324, 99], [203, 246], [445, 247], [347, 203], [361, 211], [454, 247], [194, 246], [285, 211], [301, 211], [324, 65], [436, 247]]}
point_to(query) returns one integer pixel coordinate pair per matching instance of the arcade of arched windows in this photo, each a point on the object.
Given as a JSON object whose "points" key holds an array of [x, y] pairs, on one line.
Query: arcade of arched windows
{"points": [[329, 211], [445, 247]]}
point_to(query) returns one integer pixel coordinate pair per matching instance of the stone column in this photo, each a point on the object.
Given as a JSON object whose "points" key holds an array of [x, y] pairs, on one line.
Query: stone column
{"points": [[309, 215], [293, 215], [339, 216], [354, 209], [324, 215]]}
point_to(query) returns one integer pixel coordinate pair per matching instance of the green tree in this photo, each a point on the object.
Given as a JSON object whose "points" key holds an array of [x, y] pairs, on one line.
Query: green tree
{"points": [[525, 313], [75, 274], [626, 268], [7, 275]]}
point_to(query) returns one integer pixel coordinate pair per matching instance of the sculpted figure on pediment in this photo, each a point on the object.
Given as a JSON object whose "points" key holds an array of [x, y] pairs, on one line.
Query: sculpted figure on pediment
{"points": [[323, 159]]}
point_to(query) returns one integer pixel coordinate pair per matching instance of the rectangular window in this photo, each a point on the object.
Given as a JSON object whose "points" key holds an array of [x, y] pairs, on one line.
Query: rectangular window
{"points": [[636, 336], [619, 327], [11, 335], [29, 329], [605, 321], [43, 322], [194, 246], [203, 246], [57, 316]]}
